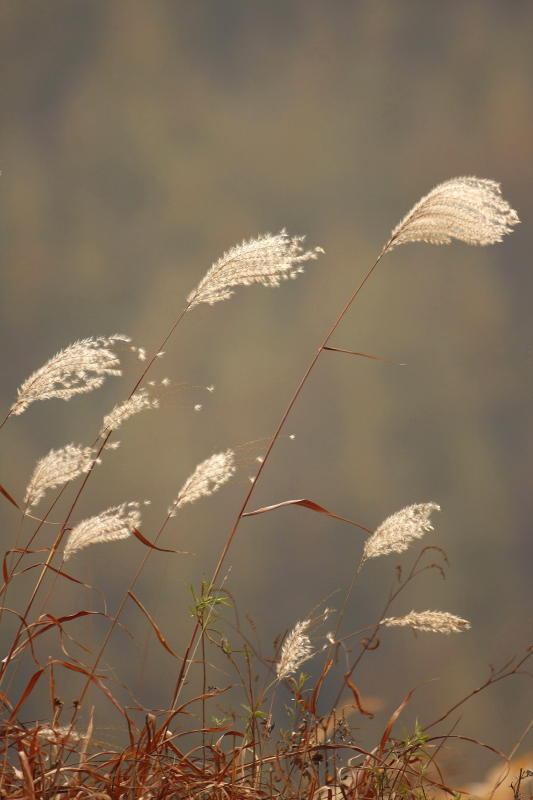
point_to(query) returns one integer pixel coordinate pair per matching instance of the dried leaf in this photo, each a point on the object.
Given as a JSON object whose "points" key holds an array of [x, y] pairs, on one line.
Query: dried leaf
{"points": [[152, 622], [311, 505], [8, 497], [138, 535]]}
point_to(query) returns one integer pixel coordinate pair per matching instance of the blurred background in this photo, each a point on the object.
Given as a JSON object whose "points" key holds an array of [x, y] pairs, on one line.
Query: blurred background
{"points": [[141, 140]]}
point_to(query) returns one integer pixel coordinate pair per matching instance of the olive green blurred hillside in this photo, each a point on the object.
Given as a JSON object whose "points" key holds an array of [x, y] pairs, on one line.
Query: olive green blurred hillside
{"points": [[139, 141]]}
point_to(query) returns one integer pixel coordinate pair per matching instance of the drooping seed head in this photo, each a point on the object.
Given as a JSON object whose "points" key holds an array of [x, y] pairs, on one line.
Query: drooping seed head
{"points": [[396, 533], [469, 209], [295, 650], [267, 260], [57, 468], [430, 621], [138, 402], [110, 525], [206, 479], [79, 368]]}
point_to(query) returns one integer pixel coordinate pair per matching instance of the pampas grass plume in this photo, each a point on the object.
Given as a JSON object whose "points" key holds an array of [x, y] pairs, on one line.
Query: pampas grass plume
{"points": [[56, 468], [396, 533], [206, 479], [430, 621], [295, 650], [266, 260], [111, 525], [79, 368], [469, 209]]}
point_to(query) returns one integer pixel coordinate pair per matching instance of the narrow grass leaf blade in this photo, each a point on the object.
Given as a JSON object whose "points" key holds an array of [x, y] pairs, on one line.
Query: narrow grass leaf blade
{"points": [[63, 574], [363, 355], [8, 497], [318, 687], [26, 693], [357, 698], [74, 668], [162, 640], [392, 720], [215, 729], [138, 535], [56, 622], [311, 505], [22, 550], [26, 771]]}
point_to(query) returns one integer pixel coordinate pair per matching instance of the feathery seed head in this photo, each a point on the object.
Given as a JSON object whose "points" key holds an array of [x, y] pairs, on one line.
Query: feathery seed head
{"points": [[79, 368], [431, 621], [140, 401], [267, 260], [396, 533], [111, 525], [56, 468], [295, 650], [469, 209], [207, 478]]}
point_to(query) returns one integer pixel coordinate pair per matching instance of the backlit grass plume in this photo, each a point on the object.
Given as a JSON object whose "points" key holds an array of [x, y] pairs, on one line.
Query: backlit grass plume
{"points": [[56, 468], [267, 260], [430, 621], [207, 478], [140, 401], [295, 650], [396, 533], [79, 368], [469, 209], [111, 525]]}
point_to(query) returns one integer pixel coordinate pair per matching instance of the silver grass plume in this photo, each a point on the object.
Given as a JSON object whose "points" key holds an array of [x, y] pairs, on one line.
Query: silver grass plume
{"points": [[431, 621], [79, 368], [396, 533], [140, 401], [207, 478], [295, 650], [469, 209], [111, 525], [268, 260], [56, 468]]}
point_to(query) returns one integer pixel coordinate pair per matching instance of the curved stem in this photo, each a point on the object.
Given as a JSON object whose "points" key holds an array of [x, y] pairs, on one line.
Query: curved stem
{"points": [[185, 664]]}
